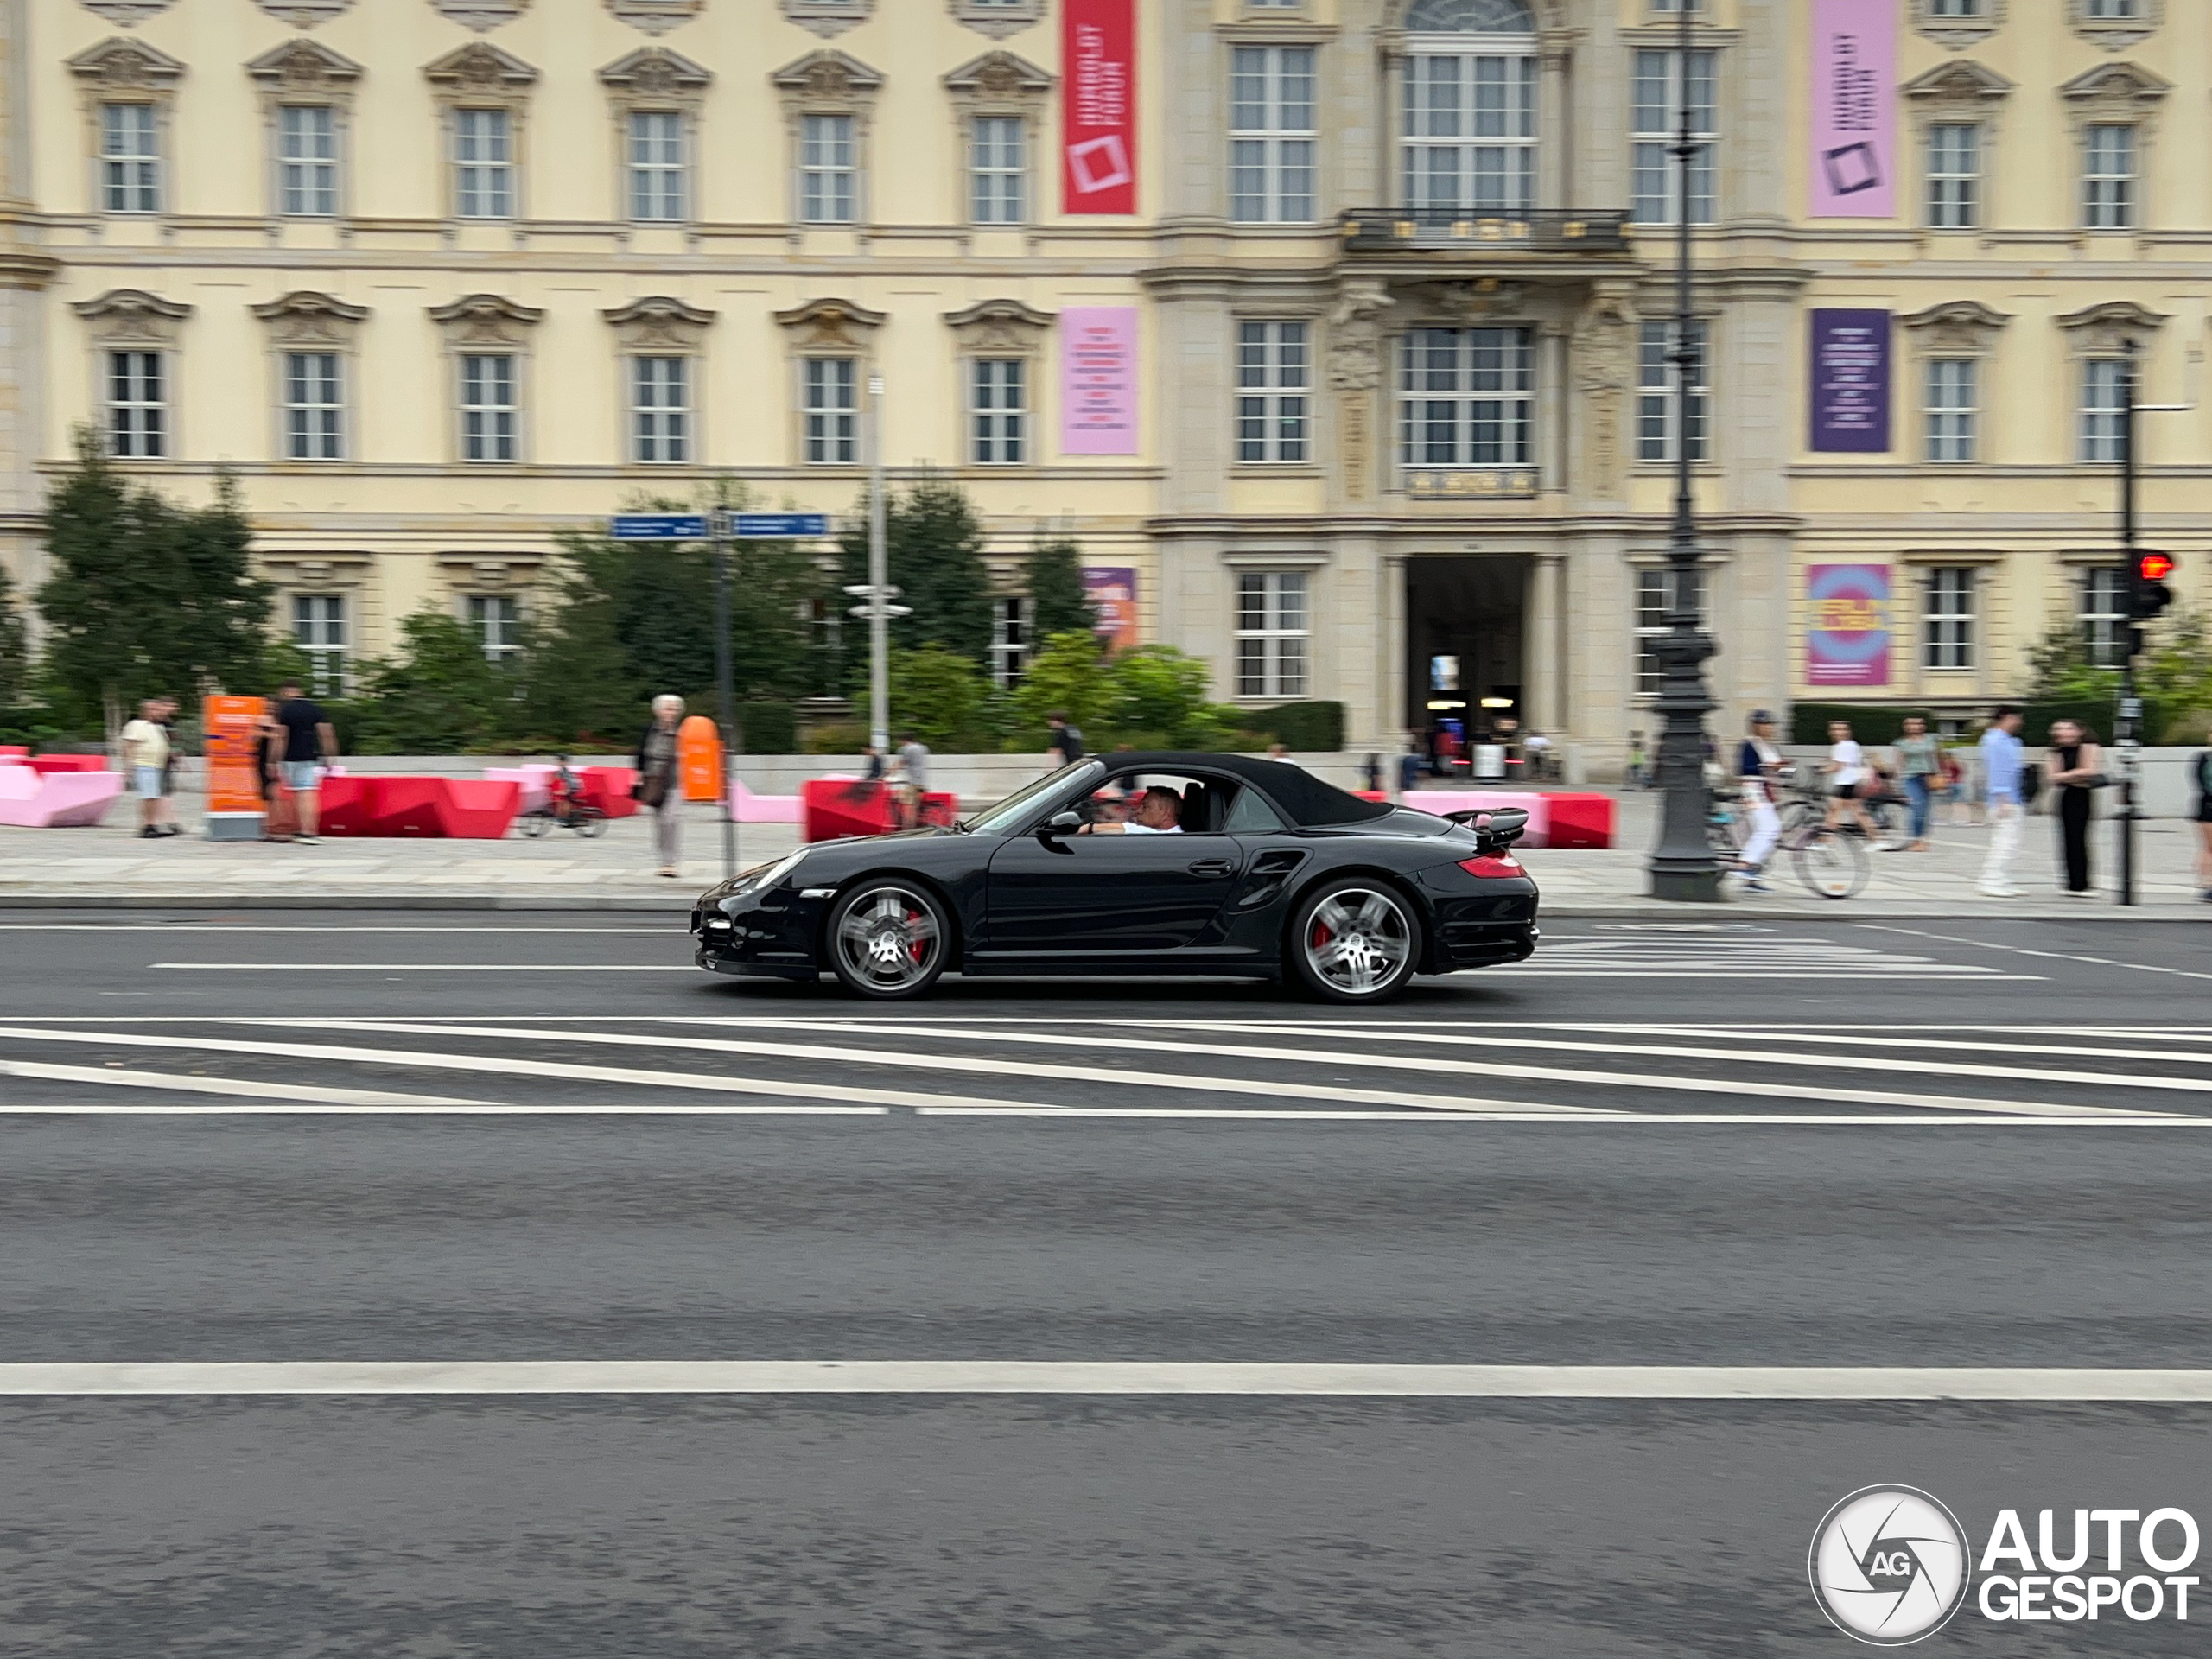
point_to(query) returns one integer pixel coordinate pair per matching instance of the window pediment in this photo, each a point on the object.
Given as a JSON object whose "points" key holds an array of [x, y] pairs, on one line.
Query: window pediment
{"points": [[1000, 20], [1956, 327], [999, 327], [302, 68], [305, 317], [121, 65], [486, 320], [659, 323], [479, 15], [831, 324], [828, 18], [1000, 80], [480, 71], [132, 316], [304, 14], [2115, 92], [655, 74], [828, 80], [1961, 84], [2108, 329]]}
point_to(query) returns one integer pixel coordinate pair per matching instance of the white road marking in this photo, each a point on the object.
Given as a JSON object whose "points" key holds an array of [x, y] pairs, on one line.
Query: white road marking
{"points": [[187, 1084], [2056, 956], [1950, 1046], [674, 931], [427, 967], [1055, 1377], [1793, 1120]]}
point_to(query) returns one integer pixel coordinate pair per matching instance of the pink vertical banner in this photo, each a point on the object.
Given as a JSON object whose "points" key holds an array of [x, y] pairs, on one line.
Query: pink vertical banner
{"points": [[1854, 109], [1098, 380]]}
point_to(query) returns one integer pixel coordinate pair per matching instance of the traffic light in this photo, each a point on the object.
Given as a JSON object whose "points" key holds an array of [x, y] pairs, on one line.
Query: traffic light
{"points": [[2147, 592]]}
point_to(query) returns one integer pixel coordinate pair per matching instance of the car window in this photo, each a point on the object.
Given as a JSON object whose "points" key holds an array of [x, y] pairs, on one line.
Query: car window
{"points": [[1198, 803], [1002, 818], [1249, 814]]}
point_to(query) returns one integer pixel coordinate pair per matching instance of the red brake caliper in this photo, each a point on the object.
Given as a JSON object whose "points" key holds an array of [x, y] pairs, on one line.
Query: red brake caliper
{"points": [[919, 946]]}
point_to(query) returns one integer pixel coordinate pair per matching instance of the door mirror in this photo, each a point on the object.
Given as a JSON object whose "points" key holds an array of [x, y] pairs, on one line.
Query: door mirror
{"points": [[1060, 823]]}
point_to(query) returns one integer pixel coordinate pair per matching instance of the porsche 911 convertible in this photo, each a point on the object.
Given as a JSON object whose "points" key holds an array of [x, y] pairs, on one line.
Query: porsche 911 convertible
{"points": [[1202, 864]]}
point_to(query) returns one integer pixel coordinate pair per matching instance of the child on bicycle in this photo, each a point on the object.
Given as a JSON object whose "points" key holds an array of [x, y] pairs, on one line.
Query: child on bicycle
{"points": [[563, 790]]}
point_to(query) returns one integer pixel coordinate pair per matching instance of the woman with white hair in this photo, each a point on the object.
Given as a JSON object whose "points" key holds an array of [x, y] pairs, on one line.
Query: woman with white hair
{"points": [[658, 785]]}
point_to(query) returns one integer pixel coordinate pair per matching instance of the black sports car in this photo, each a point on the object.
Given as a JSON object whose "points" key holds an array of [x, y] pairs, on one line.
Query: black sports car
{"points": [[1209, 864]]}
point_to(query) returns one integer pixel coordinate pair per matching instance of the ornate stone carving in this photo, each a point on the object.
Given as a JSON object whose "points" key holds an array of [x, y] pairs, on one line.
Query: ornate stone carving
{"points": [[828, 82], [1000, 328], [1959, 90], [999, 83], [123, 65], [1473, 300], [131, 316], [2108, 330], [1959, 32], [831, 324], [1000, 20], [655, 17], [304, 14], [480, 72], [305, 317], [2115, 92], [1356, 335], [479, 15], [486, 320], [828, 18], [658, 323], [2116, 34], [654, 77], [1956, 328], [129, 13], [1605, 360], [305, 69]]}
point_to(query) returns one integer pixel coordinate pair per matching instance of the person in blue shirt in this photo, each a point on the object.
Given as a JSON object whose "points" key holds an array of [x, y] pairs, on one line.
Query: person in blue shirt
{"points": [[1757, 764], [2000, 767]]}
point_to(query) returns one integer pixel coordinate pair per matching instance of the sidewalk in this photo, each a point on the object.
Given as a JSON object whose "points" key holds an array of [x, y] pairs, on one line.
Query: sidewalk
{"points": [[111, 867]]}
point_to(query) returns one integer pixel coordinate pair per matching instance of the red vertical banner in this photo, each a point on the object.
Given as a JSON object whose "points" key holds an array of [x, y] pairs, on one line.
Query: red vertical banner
{"points": [[1098, 57]]}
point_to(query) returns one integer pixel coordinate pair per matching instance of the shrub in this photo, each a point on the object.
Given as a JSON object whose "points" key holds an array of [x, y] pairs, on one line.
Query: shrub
{"points": [[1312, 727]]}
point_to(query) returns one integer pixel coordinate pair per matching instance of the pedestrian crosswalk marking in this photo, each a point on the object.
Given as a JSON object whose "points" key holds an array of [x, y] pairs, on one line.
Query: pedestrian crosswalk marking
{"points": [[111, 1078]]}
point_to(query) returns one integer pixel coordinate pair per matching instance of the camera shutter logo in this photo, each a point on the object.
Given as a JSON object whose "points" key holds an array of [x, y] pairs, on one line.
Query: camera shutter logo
{"points": [[1889, 1565]]}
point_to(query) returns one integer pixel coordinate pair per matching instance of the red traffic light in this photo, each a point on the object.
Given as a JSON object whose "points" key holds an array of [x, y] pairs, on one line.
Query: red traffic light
{"points": [[2153, 566]]}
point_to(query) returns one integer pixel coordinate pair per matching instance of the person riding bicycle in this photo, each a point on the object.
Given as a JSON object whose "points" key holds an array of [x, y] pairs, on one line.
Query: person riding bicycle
{"points": [[562, 790], [1758, 763]]}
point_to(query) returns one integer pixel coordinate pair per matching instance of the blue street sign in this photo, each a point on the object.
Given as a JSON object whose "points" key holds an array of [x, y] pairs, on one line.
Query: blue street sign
{"points": [[778, 526], [658, 527]]}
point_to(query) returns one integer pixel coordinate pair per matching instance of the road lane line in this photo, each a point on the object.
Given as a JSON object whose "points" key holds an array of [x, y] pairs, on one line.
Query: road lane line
{"points": [[184, 1083], [2022, 951], [1810, 1034], [1117, 1378], [427, 967], [675, 931]]}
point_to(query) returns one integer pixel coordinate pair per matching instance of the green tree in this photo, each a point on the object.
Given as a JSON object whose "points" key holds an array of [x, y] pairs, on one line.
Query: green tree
{"points": [[440, 695], [147, 597], [1058, 603], [934, 547], [936, 694], [15, 647], [1159, 696], [1069, 676]]}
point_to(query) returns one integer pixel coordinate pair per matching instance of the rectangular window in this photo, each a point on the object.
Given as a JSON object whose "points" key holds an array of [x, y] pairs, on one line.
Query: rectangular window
{"points": [[314, 407], [1954, 176], [307, 160], [2104, 407], [483, 164], [1655, 603], [1953, 407], [2116, 9], [1470, 139], [998, 169], [1947, 633], [496, 619], [1954, 8], [827, 168], [1271, 134], [1271, 634], [2104, 615], [130, 159], [1272, 378], [1654, 404], [137, 406], [660, 409], [488, 411], [1464, 398], [2108, 178], [1658, 113], [1009, 640], [999, 411], [319, 630], [656, 164], [832, 411]]}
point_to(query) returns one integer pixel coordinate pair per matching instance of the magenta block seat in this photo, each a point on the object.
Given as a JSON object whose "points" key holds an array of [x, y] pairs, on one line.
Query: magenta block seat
{"points": [[32, 799]]}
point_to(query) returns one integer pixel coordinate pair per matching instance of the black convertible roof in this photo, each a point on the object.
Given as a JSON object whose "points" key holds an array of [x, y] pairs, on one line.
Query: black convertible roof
{"points": [[1306, 798]]}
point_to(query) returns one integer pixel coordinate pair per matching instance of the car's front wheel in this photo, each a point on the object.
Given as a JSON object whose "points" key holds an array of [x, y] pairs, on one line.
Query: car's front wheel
{"points": [[888, 940], [1353, 940]]}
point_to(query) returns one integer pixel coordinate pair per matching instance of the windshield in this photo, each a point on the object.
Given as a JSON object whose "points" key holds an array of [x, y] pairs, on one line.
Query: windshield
{"points": [[999, 819]]}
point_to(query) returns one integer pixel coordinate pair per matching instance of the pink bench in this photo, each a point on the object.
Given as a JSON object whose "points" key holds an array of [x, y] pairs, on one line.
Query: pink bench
{"points": [[32, 799], [1557, 821], [748, 808]]}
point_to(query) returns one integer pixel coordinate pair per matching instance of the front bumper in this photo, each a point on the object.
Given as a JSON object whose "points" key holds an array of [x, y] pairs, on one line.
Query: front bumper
{"points": [[771, 934]]}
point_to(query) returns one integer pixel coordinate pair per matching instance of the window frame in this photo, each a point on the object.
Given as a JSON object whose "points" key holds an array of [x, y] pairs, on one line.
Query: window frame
{"points": [[2101, 609], [505, 655], [138, 427], [1001, 425], [1013, 620], [1947, 629], [1283, 152], [2098, 425], [1954, 196], [1656, 585], [1516, 404], [1951, 424], [506, 171], [332, 166], [1283, 654], [328, 662], [808, 171], [636, 172], [1268, 383], [150, 182], [1012, 180], [2111, 202], [465, 411], [333, 433], [1519, 163], [653, 423], [1654, 397], [1705, 175], [829, 431]]}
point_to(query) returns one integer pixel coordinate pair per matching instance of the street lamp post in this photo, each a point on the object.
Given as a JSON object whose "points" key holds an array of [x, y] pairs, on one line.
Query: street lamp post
{"points": [[1682, 864], [879, 579]]}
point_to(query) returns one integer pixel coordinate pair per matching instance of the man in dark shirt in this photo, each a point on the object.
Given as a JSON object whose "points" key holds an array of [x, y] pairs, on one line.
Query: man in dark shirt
{"points": [[309, 743], [1066, 746]]}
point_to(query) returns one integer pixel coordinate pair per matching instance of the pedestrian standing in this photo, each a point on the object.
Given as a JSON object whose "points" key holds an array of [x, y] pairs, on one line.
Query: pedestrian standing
{"points": [[1411, 765], [2077, 770], [2204, 822], [1066, 745], [1758, 763], [1919, 765], [913, 778], [145, 756], [657, 780], [310, 744], [2000, 778], [1847, 770]]}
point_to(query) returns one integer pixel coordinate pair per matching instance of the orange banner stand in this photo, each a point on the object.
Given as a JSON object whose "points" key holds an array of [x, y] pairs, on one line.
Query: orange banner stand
{"points": [[699, 759], [234, 750]]}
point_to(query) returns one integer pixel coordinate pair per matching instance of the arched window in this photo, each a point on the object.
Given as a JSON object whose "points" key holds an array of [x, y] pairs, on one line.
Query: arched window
{"points": [[1469, 134], [1469, 17]]}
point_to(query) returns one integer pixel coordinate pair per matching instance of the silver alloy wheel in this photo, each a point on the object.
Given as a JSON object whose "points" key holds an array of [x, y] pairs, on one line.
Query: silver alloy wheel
{"points": [[888, 940], [1357, 941]]}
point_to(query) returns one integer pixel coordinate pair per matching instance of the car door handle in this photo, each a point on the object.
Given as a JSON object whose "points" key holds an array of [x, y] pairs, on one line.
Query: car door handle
{"points": [[1213, 866]]}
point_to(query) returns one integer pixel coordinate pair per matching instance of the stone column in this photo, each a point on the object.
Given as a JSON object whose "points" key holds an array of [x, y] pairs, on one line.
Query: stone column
{"points": [[1391, 606], [1191, 388], [1553, 424], [1544, 644], [1554, 122], [25, 270]]}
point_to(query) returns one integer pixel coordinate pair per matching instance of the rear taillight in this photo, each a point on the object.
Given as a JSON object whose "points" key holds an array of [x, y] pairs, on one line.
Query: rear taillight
{"points": [[1492, 865]]}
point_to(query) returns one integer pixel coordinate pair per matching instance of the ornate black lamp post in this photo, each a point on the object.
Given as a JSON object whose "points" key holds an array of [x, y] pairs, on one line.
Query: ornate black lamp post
{"points": [[1682, 864]]}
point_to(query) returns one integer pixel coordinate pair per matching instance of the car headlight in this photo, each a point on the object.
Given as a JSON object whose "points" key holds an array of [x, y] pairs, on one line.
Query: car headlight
{"points": [[758, 880]]}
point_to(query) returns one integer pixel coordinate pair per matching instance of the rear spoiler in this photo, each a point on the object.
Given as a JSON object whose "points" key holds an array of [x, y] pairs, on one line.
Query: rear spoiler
{"points": [[1494, 826]]}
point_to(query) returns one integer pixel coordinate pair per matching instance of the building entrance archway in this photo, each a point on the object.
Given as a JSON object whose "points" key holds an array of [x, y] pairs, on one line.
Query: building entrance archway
{"points": [[1465, 623]]}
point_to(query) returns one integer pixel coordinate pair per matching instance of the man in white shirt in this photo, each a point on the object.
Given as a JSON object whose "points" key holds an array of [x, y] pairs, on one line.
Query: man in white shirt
{"points": [[1847, 770], [1160, 813], [145, 756]]}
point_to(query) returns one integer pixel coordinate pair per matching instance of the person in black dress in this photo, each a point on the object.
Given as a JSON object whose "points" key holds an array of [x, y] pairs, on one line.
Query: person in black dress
{"points": [[2075, 762]]}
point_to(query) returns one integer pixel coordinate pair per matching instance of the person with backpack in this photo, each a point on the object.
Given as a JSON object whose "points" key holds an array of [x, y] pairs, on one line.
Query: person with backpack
{"points": [[1066, 745]]}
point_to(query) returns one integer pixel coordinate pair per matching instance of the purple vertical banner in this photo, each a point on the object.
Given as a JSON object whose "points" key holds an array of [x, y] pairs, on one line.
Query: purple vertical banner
{"points": [[1847, 634], [1098, 380], [1854, 109], [1851, 383]]}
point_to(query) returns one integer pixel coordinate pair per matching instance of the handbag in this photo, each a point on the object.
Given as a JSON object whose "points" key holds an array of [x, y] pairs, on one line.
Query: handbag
{"points": [[651, 789]]}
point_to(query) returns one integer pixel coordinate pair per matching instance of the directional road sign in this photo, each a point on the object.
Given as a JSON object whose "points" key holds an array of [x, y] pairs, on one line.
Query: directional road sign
{"points": [[778, 526], [658, 527]]}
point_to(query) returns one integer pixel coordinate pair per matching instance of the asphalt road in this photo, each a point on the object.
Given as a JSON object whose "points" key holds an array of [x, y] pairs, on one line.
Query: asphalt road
{"points": [[1812, 1145]]}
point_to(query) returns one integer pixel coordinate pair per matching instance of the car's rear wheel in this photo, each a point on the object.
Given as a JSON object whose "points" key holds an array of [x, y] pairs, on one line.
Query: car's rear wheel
{"points": [[888, 940], [1353, 940]]}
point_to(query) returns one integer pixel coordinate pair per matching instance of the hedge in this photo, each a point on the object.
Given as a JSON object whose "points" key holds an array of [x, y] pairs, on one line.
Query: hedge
{"points": [[768, 727], [1312, 727], [1884, 723]]}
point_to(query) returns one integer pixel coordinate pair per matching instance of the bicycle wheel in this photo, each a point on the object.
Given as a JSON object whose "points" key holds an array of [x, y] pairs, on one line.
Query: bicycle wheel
{"points": [[534, 824], [1830, 864], [589, 822]]}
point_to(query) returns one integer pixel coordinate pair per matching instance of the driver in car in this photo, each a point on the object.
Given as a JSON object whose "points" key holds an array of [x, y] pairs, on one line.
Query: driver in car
{"points": [[1160, 813]]}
